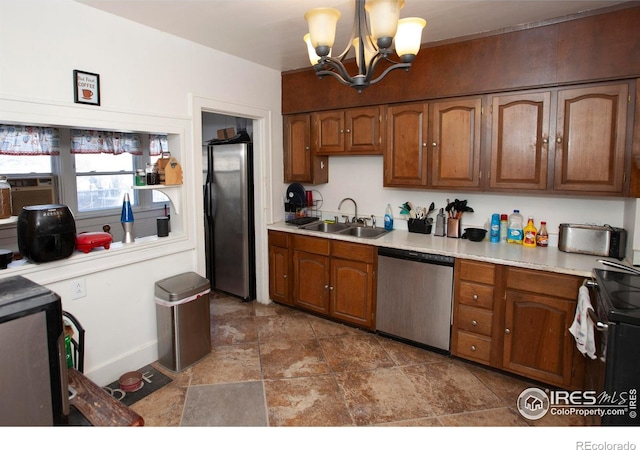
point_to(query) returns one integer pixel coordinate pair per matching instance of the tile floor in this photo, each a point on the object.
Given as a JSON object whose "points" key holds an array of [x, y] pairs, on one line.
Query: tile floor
{"points": [[275, 366]]}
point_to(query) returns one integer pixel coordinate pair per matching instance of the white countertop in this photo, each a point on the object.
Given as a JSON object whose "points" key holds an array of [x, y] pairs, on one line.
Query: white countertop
{"points": [[549, 259]]}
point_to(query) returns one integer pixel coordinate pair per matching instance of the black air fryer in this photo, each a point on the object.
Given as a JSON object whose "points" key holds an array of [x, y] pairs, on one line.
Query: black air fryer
{"points": [[46, 232]]}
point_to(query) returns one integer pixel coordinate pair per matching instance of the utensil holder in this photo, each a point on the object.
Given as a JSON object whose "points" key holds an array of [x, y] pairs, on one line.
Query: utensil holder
{"points": [[419, 226], [454, 228]]}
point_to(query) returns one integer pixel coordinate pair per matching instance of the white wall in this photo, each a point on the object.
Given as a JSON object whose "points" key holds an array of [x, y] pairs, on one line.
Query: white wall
{"points": [[361, 178], [148, 82]]}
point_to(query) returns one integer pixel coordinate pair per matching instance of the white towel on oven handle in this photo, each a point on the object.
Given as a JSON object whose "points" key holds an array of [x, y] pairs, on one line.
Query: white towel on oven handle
{"points": [[582, 326]]}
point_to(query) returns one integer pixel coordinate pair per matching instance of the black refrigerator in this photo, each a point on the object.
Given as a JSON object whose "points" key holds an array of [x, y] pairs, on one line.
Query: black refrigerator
{"points": [[229, 218]]}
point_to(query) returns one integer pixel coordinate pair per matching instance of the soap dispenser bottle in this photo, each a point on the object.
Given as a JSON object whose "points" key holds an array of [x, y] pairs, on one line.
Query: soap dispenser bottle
{"points": [[388, 218]]}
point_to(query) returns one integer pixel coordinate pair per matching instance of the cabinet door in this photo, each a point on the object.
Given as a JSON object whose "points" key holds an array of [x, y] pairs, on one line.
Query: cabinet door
{"points": [[300, 162], [537, 342], [405, 160], [352, 291], [329, 132], [363, 131], [279, 274], [591, 139], [520, 141], [455, 143], [311, 281]]}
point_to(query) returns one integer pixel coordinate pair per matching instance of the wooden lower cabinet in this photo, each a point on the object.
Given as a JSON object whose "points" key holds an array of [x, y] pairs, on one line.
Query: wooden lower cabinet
{"points": [[332, 278], [279, 268], [517, 320]]}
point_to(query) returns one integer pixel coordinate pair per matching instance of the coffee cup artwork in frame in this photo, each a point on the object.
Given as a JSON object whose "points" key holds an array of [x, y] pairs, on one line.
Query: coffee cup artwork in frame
{"points": [[86, 87]]}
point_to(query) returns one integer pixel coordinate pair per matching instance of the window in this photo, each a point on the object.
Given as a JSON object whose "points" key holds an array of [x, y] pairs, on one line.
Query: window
{"points": [[24, 165], [103, 179]]}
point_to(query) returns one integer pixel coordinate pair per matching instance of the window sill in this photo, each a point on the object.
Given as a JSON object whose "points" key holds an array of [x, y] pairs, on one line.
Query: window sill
{"points": [[100, 259]]}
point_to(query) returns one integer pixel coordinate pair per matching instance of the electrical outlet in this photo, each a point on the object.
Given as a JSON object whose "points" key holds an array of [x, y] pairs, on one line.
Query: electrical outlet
{"points": [[78, 288]]}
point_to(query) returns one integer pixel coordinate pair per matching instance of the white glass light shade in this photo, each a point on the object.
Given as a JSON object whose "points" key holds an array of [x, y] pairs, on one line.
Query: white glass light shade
{"points": [[409, 35], [383, 17], [322, 26], [313, 56], [369, 52]]}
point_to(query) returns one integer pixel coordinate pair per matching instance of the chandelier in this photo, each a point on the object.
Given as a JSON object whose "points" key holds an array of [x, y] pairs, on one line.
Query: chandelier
{"points": [[371, 38]]}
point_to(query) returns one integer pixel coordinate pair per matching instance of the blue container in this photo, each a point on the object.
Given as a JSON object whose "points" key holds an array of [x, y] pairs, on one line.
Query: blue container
{"points": [[494, 234]]}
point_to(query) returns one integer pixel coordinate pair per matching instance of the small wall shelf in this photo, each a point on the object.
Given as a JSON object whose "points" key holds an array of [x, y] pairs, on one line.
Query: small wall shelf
{"points": [[172, 191]]}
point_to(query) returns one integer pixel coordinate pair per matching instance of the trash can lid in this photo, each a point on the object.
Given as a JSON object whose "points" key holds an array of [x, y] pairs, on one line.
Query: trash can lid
{"points": [[181, 286]]}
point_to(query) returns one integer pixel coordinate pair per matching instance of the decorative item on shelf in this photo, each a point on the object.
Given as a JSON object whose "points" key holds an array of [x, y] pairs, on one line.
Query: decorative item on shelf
{"points": [[126, 218], [371, 39], [169, 170]]}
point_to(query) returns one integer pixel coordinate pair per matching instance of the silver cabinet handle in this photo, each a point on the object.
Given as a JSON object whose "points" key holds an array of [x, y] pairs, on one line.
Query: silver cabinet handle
{"points": [[326, 286], [475, 296], [473, 348], [348, 130], [434, 144], [507, 331], [474, 323], [284, 276], [545, 140], [331, 288], [559, 140]]}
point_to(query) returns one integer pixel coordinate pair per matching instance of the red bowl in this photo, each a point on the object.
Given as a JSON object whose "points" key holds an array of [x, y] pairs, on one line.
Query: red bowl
{"points": [[131, 381]]}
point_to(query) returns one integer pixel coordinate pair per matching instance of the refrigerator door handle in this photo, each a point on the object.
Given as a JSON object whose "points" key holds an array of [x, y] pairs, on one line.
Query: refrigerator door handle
{"points": [[212, 202]]}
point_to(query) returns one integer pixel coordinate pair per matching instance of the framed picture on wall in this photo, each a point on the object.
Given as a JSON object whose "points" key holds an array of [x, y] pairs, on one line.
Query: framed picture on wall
{"points": [[86, 87]]}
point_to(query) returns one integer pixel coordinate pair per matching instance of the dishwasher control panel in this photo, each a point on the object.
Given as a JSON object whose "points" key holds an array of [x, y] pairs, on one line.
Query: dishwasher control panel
{"points": [[416, 256]]}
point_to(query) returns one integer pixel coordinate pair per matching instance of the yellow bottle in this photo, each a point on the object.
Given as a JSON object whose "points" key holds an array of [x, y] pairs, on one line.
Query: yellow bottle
{"points": [[529, 238]]}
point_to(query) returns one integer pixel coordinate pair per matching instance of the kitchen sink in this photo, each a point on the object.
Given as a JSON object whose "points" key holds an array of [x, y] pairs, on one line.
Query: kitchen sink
{"points": [[347, 229], [362, 232], [326, 227]]}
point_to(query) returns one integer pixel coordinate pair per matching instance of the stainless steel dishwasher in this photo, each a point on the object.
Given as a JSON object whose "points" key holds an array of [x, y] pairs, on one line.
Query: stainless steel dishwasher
{"points": [[415, 293]]}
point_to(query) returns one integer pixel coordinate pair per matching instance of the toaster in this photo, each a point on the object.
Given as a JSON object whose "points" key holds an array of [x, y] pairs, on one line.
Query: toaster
{"points": [[592, 240]]}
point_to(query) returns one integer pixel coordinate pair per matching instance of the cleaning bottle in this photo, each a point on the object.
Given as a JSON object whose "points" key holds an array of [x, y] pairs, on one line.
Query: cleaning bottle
{"points": [[494, 235], [542, 238], [514, 231], [529, 239], [504, 225], [388, 218]]}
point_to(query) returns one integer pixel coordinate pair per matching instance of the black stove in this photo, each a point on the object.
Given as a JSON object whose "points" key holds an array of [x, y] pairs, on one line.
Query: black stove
{"points": [[619, 299], [615, 297]]}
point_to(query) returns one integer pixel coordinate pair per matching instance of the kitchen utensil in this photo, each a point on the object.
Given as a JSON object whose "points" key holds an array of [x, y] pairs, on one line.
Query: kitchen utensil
{"points": [[474, 234]]}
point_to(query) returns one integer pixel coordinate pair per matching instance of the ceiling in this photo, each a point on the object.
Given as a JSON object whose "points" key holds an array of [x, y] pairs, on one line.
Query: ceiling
{"points": [[269, 32]]}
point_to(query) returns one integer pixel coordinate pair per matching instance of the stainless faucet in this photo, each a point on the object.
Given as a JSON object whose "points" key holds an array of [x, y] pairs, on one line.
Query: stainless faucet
{"points": [[355, 219]]}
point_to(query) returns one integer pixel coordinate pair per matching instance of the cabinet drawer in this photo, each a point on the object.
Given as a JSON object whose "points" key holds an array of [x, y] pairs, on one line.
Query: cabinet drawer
{"points": [[477, 271], [278, 238], [473, 346], [356, 252], [546, 283], [478, 295], [475, 320], [308, 244]]}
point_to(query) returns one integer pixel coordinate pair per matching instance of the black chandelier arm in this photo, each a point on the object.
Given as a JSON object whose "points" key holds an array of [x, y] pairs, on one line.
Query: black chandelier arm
{"points": [[405, 66], [336, 65], [347, 82]]}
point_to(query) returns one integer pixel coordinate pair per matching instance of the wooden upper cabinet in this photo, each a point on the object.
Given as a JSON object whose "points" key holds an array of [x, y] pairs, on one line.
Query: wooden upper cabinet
{"points": [[590, 139], [405, 158], [352, 131], [300, 162], [328, 132], [455, 143], [364, 130], [519, 141]]}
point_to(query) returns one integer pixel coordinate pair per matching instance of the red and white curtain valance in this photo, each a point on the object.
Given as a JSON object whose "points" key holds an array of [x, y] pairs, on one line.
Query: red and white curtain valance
{"points": [[28, 140], [94, 141]]}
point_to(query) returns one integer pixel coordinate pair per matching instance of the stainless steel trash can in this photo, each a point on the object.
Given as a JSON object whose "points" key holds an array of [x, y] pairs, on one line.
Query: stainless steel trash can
{"points": [[182, 316]]}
